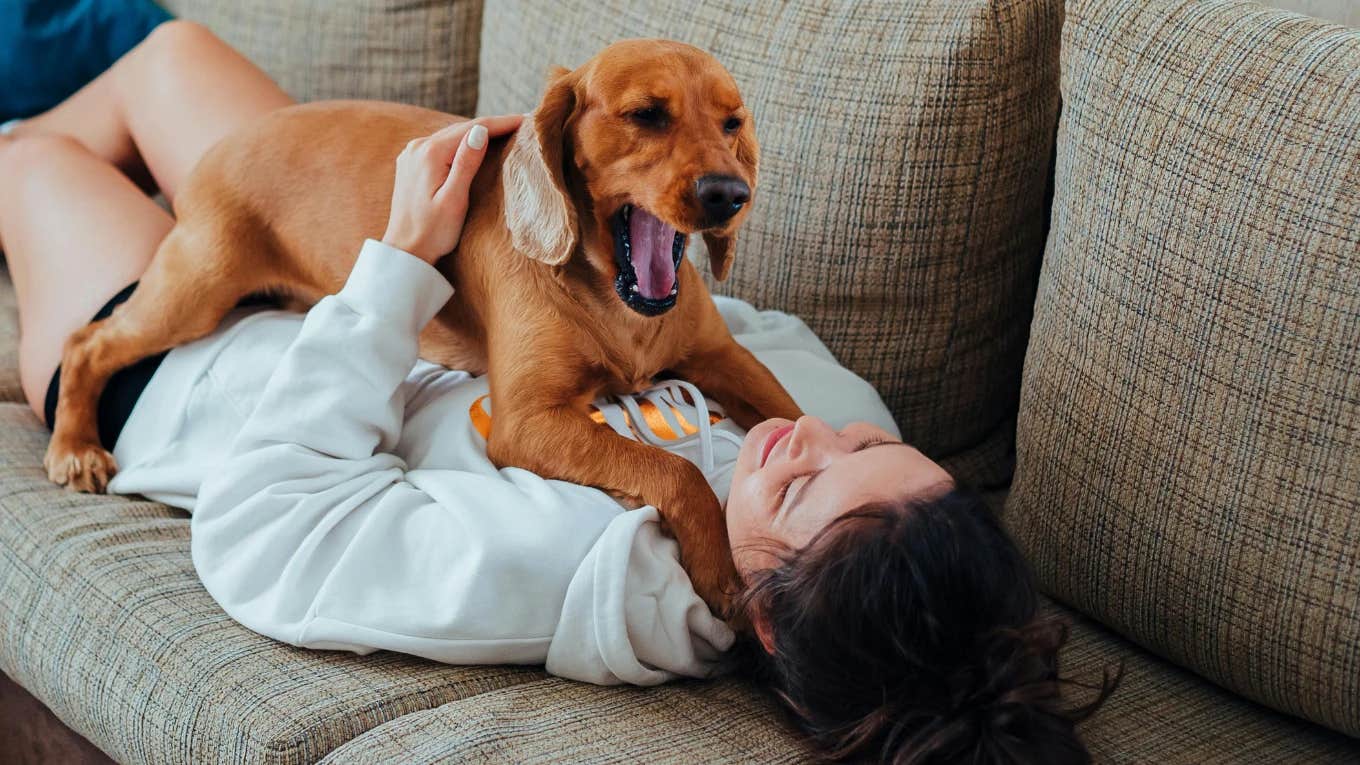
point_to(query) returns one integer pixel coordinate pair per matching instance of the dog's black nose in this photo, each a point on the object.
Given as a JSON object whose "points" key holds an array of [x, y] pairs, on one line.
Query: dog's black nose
{"points": [[722, 196]]}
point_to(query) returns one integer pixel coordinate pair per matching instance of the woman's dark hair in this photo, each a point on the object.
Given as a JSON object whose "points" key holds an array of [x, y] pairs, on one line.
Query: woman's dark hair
{"points": [[910, 632]]}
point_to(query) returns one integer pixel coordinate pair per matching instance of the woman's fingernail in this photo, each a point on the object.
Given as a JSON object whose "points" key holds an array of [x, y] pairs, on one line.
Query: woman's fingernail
{"points": [[477, 137]]}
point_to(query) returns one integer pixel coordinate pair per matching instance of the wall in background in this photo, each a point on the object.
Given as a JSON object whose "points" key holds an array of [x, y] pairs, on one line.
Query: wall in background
{"points": [[1343, 11]]}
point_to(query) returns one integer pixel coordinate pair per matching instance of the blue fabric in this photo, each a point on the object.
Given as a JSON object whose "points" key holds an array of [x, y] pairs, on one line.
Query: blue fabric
{"points": [[50, 48]]}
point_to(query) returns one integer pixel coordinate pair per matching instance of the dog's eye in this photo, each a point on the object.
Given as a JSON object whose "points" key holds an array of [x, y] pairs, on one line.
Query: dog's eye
{"points": [[652, 117], [732, 125]]}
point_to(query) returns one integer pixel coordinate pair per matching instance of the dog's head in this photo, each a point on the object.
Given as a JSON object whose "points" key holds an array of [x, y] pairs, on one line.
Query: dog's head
{"points": [[644, 145]]}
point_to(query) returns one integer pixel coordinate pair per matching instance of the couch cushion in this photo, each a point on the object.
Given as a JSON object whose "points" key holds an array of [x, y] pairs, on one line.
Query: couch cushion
{"points": [[104, 620], [1189, 436], [905, 153], [1164, 714], [555, 720], [421, 52], [1160, 714]]}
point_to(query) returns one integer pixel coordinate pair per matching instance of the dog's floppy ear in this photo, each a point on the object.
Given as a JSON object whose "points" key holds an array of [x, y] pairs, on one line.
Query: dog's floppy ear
{"points": [[538, 209], [720, 246]]}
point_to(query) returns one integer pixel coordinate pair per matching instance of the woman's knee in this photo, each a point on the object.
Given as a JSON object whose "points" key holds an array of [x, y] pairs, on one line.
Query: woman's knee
{"points": [[32, 152], [28, 163], [178, 41]]}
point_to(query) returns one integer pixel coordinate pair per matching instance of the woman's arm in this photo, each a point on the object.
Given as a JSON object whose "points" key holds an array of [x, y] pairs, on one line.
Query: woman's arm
{"points": [[313, 533], [311, 529], [311, 471]]}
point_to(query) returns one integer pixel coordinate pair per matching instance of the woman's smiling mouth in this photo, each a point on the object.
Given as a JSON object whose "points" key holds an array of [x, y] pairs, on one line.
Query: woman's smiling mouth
{"points": [[772, 441]]}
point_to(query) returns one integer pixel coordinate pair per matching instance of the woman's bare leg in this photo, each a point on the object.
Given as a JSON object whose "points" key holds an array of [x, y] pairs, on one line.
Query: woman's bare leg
{"points": [[163, 104], [75, 231], [73, 228]]}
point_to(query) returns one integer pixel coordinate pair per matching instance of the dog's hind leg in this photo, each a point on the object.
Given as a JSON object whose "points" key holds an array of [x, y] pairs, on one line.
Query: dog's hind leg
{"points": [[189, 286]]}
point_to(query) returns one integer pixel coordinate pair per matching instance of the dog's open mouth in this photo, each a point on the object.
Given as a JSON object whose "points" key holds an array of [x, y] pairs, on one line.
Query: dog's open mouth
{"points": [[648, 253]]}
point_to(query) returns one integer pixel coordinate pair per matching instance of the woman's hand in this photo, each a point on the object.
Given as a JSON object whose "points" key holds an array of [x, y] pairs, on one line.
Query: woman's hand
{"points": [[430, 195]]}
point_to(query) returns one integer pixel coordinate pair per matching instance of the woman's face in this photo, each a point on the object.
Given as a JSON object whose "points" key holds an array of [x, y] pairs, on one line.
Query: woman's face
{"points": [[793, 478]]}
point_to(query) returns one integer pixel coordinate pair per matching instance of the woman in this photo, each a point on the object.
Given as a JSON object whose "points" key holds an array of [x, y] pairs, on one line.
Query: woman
{"points": [[341, 497]]}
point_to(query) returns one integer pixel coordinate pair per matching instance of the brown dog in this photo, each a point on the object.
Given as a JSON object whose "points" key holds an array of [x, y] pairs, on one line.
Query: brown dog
{"points": [[570, 277]]}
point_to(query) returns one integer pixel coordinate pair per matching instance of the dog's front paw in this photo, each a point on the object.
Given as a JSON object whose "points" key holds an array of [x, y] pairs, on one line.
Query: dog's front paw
{"points": [[693, 515], [716, 582], [84, 467]]}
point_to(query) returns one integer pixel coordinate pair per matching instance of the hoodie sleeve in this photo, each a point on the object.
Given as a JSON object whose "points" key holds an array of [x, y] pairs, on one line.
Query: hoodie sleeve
{"points": [[631, 614], [294, 506]]}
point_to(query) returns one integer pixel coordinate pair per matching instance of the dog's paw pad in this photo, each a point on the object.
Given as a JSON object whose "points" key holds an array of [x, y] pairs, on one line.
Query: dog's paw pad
{"points": [[83, 468]]}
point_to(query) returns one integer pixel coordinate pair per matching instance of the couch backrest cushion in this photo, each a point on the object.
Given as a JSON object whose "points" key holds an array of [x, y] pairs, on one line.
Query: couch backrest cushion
{"points": [[421, 52], [905, 154], [1188, 464]]}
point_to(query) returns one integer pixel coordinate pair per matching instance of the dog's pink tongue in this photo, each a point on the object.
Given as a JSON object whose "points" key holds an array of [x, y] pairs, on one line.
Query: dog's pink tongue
{"points": [[651, 242]]}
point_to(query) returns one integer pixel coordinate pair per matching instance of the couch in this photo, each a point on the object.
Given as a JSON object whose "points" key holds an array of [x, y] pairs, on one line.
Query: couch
{"points": [[1101, 257]]}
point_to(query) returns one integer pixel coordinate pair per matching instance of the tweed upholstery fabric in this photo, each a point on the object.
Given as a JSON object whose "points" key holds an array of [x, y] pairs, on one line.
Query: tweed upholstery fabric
{"points": [[421, 52], [905, 153], [1188, 452], [102, 617], [10, 389], [555, 720], [1160, 714]]}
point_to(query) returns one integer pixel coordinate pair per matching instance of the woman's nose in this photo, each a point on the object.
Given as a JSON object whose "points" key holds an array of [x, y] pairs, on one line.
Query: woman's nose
{"points": [[810, 436]]}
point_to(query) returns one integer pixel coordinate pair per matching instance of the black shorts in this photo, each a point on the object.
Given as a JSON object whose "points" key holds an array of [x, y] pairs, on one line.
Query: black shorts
{"points": [[121, 393], [126, 385]]}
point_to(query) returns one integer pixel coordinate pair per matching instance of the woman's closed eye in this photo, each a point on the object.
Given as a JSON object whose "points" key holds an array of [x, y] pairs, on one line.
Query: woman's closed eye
{"points": [[784, 491]]}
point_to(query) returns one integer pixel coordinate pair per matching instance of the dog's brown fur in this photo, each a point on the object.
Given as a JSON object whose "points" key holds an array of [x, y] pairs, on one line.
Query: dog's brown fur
{"points": [[284, 205]]}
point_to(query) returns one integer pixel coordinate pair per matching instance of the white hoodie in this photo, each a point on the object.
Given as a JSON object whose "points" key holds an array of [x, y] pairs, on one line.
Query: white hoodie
{"points": [[342, 497]]}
